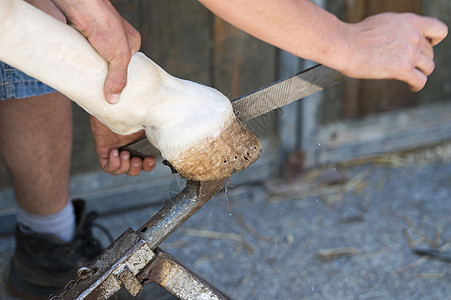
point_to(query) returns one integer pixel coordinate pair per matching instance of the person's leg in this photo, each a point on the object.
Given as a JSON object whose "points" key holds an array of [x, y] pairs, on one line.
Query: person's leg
{"points": [[36, 135], [53, 236]]}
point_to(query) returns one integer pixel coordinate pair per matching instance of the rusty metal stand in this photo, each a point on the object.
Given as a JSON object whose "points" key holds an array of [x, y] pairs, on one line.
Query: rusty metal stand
{"points": [[134, 259]]}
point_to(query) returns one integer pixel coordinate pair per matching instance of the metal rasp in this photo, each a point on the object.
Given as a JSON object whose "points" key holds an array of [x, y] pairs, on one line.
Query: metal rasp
{"points": [[284, 92], [265, 99]]}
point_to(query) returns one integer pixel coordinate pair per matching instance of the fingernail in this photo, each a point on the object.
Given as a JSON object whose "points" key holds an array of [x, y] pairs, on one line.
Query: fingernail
{"points": [[126, 155], [114, 98], [115, 153]]}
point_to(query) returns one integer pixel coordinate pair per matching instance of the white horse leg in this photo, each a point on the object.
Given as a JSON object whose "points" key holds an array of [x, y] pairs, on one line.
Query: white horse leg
{"points": [[192, 125]]}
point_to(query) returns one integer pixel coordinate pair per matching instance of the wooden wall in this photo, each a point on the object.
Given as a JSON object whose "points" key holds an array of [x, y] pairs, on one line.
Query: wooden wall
{"points": [[439, 84]]}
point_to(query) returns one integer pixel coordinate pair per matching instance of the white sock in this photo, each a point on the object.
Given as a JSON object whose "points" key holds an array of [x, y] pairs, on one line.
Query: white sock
{"points": [[60, 224]]}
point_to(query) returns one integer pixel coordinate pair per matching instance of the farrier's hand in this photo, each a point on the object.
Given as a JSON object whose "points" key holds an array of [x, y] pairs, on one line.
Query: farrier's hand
{"points": [[110, 34], [393, 46], [111, 160]]}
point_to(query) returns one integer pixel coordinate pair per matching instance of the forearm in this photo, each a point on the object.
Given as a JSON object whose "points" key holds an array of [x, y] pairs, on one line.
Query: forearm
{"points": [[297, 26], [384, 46]]}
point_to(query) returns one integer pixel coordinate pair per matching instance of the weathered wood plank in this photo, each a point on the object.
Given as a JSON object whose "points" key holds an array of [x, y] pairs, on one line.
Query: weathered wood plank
{"points": [[377, 134], [242, 64], [178, 37], [438, 87], [4, 175], [375, 7], [131, 10]]}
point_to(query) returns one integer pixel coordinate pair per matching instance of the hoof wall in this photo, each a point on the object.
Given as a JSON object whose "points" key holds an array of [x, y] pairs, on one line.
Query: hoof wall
{"points": [[235, 149]]}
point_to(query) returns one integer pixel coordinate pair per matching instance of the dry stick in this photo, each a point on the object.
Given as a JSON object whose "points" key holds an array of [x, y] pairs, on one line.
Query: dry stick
{"points": [[430, 275], [329, 254], [415, 229], [226, 190], [212, 234], [416, 263], [217, 235], [413, 243], [252, 231], [356, 180], [349, 186], [410, 240], [438, 235]]}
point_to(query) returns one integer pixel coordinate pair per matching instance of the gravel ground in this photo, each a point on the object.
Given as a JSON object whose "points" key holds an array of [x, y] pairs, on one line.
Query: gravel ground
{"points": [[342, 232]]}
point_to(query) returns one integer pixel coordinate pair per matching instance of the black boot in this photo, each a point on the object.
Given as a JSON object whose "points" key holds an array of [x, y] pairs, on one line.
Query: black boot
{"points": [[43, 264]]}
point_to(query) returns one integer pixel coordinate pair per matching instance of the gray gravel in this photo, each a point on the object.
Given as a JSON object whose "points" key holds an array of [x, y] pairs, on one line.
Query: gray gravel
{"points": [[311, 240]]}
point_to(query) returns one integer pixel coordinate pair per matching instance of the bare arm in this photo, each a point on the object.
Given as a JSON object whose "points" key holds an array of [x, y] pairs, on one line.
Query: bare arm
{"points": [[389, 46]]}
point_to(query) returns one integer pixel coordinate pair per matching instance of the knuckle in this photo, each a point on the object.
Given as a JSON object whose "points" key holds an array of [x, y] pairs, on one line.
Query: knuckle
{"points": [[406, 66], [410, 53], [431, 68], [415, 38]]}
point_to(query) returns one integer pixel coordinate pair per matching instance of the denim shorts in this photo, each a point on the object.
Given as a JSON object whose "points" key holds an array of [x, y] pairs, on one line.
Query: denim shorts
{"points": [[14, 84]]}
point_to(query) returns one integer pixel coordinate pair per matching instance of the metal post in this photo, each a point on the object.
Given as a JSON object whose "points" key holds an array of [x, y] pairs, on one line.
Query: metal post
{"points": [[178, 210]]}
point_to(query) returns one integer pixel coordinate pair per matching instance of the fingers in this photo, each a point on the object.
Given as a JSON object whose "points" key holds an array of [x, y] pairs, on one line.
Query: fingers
{"points": [[425, 47], [423, 65], [118, 64], [113, 163], [433, 29], [433, 32], [416, 80], [417, 75], [425, 32], [149, 164], [121, 163], [394, 46], [117, 77]]}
